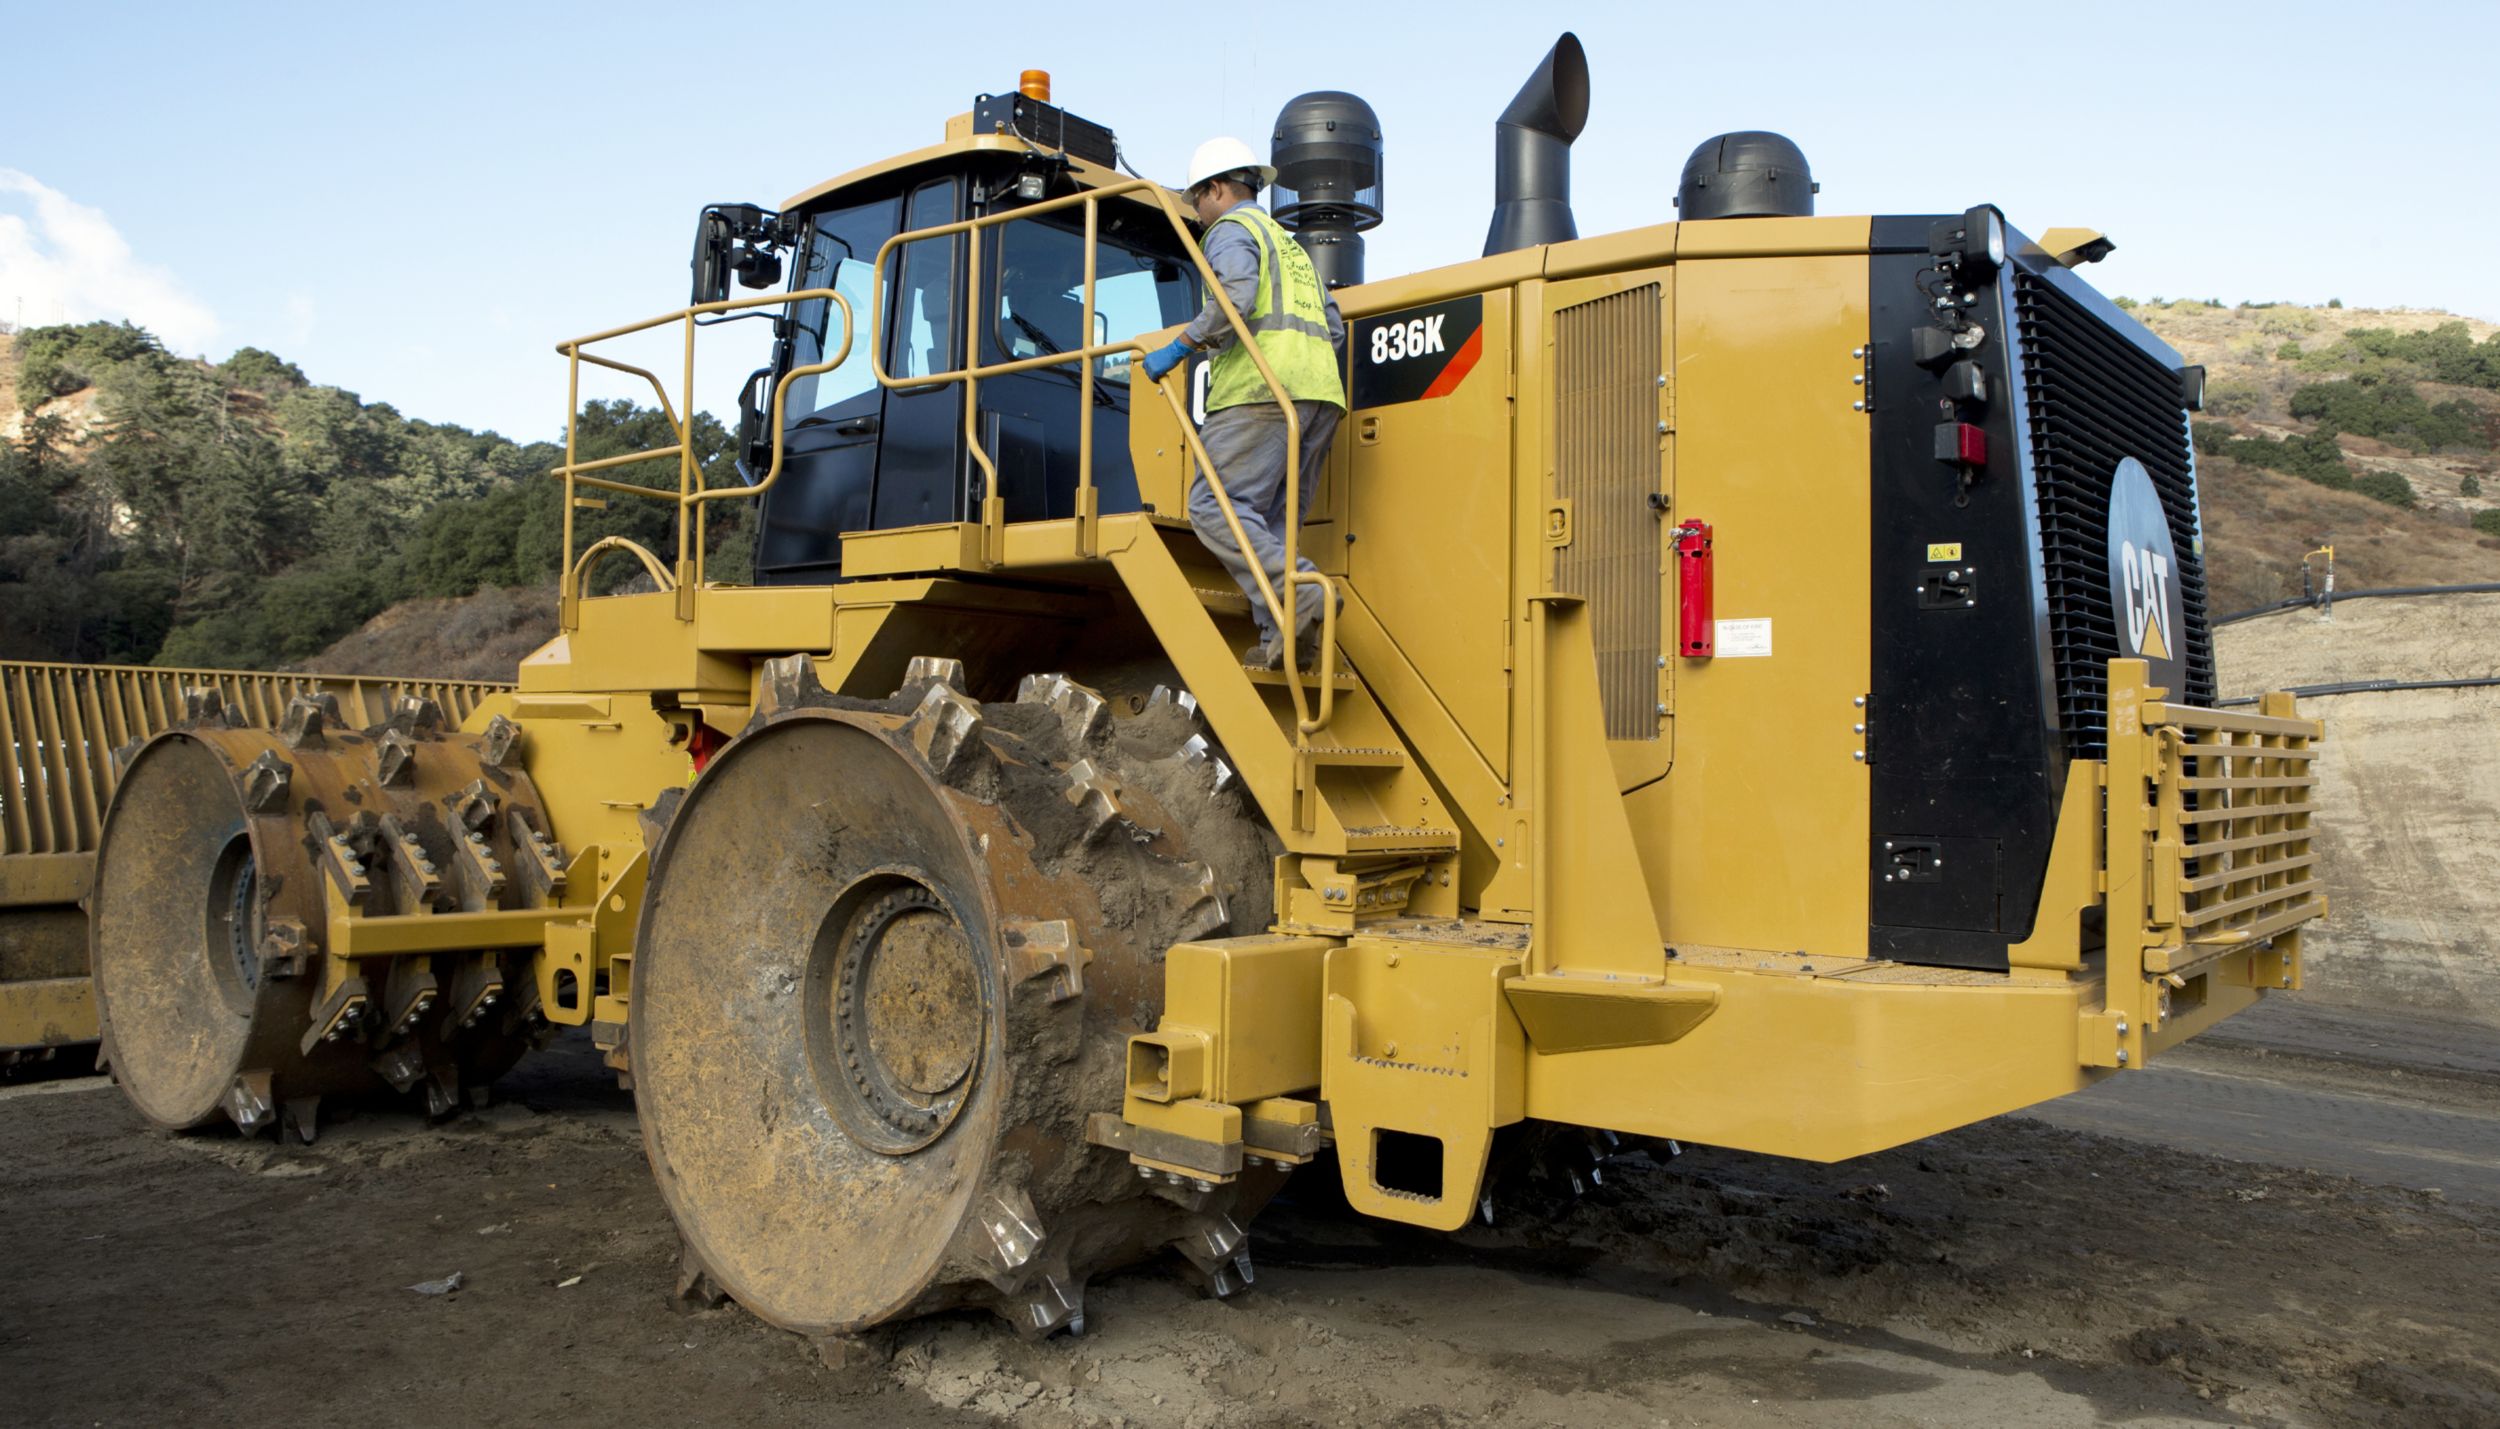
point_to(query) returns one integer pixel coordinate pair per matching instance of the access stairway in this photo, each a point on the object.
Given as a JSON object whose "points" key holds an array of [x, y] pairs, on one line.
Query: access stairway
{"points": [[1373, 837]]}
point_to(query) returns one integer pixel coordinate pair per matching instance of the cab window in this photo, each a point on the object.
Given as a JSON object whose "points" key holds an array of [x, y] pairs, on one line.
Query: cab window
{"points": [[924, 293], [841, 255], [1041, 297]]}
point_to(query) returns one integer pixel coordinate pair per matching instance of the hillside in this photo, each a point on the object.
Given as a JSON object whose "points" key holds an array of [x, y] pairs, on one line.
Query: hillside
{"points": [[2260, 522], [2409, 793], [159, 508], [480, 636]]}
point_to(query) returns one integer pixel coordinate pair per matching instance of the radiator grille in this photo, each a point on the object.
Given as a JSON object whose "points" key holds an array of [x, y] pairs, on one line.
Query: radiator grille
{"points": [[1606, 465], [2092, 399]]}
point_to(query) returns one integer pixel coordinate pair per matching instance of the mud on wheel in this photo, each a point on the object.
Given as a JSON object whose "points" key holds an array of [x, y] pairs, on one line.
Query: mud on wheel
{"points": [[209, 913], [889, 958]]}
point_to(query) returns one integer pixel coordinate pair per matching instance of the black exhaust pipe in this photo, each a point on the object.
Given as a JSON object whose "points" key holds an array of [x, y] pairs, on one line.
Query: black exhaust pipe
{"points": [[1532, 152]]}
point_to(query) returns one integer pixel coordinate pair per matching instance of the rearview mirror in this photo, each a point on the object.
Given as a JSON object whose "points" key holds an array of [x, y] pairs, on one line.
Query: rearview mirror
{"points": [[711, 259]]}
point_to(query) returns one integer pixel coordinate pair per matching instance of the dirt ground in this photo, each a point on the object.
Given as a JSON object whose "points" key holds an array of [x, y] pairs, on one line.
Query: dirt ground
{"points": [[2023, 1272]]}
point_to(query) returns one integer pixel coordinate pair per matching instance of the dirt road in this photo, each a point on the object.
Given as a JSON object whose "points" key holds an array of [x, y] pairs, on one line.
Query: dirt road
{"points": [[2067, 1269]]}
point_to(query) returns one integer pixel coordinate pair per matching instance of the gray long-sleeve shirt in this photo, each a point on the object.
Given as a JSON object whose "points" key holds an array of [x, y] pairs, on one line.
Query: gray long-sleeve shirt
{"points": [[1233, 252]]}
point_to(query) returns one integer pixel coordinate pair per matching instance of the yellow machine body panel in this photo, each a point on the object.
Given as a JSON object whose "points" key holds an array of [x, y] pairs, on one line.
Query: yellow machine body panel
{"points": [[1771, 450]]}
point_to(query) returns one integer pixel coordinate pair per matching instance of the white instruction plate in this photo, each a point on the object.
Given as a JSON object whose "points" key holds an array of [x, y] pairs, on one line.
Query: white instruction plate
{"points": [[1744, 639]]}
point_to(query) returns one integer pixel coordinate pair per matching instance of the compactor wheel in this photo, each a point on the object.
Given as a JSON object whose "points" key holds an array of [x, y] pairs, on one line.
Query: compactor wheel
{"points": [[209, 918], [889, 958]]}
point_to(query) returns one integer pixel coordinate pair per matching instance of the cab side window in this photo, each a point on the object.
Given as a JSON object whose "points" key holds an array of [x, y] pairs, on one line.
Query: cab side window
{"points": [[924, 292], [841, 255]]}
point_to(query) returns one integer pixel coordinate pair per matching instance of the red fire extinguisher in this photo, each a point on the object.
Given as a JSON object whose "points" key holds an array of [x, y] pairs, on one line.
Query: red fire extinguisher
{"points": [[1697, 627]]}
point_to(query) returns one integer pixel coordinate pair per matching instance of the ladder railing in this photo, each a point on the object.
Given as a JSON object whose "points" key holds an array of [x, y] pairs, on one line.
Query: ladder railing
{"points": [[691, 494], [993, 520]]}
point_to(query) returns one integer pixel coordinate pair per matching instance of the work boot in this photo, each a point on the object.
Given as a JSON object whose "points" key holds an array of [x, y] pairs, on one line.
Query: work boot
{"points": [[1306, 647], [1268, 654]]}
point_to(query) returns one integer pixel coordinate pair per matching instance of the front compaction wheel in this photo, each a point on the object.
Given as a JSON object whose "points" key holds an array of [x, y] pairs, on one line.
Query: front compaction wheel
{"points": [[889, 958], [220, 999]]}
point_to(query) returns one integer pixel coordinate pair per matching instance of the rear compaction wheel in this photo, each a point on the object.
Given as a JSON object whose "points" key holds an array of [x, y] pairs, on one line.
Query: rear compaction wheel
{"points": [[889, 958]]}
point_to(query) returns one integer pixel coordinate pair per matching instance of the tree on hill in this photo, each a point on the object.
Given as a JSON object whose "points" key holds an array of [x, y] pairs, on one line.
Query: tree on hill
{"points": [[239, 514]]}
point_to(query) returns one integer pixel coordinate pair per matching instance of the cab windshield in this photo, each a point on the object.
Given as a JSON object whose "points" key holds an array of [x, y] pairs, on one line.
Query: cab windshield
{"points": [[1041, 295]]}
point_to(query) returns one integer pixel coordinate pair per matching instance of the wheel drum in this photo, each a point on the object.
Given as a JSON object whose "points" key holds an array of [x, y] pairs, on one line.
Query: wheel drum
{"points": [[183, 1017], [204, 851], [843, 1140]]}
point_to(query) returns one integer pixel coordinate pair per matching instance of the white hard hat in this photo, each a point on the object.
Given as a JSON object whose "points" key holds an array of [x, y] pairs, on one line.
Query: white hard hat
{"points": [[1223, 156]]}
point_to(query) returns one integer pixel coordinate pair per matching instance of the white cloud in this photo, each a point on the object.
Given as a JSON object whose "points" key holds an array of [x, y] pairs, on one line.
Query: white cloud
{"points": [[69, 264]]}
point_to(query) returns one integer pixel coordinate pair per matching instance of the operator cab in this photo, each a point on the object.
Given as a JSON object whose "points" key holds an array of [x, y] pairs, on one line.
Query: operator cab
{"points": [[861, 456]]}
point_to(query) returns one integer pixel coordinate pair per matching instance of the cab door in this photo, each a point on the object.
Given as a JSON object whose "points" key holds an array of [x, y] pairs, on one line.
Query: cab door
{"points": [[834, 419]]}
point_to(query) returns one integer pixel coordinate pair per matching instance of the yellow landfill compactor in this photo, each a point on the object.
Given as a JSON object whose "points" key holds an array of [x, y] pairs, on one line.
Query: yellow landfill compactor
{"points": [[1766, 700]]}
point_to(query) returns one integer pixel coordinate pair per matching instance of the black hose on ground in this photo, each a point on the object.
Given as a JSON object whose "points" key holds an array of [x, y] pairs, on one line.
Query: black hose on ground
{"points": [[2310, 602], [2370, 687]]}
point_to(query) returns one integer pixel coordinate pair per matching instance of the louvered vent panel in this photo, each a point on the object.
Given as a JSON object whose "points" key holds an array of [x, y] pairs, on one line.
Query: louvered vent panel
{"points": [[1606, 366], [2092, 399]]}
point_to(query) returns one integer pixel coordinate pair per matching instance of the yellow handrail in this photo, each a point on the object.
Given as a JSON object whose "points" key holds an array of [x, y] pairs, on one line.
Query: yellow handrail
{"points": [[592, 553], [970, 375], [691, 493], [1304, 721]]}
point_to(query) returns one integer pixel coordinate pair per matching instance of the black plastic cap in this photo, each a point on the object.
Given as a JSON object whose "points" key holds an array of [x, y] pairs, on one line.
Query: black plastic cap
{"points": [[1327, 151], [1748, 174]]}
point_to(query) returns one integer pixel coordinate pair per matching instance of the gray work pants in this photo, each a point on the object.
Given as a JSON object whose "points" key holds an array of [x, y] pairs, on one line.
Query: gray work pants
{"points": [[1247, 445]]}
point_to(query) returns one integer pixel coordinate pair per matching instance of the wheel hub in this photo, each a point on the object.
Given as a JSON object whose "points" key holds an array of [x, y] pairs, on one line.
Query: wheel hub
{"points": [[909, 1015]]}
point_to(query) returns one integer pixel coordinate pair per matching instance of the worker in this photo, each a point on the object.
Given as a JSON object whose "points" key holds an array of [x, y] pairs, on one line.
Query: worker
{"points": [[1295, 322]]}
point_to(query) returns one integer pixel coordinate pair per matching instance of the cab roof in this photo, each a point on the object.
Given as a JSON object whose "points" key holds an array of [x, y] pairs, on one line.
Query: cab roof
{"points": [[960, 142]]}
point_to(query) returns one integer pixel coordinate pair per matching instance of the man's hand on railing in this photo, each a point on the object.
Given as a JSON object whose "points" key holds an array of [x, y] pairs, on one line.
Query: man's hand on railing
{"points": [[1160, 362]]}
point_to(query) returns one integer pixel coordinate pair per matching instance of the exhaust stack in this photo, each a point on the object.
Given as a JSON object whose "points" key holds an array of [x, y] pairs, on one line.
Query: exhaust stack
{"points": [[1532, 152]]}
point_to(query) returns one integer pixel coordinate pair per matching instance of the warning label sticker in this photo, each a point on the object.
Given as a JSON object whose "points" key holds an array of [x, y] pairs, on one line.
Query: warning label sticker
{"points": [[1744, 639]]}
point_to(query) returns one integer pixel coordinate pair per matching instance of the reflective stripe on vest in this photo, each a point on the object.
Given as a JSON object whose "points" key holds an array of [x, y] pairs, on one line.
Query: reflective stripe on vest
{"points": [[1289, 321]]}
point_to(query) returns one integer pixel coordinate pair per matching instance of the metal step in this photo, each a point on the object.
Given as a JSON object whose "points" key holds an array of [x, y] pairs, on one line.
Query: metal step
{"points": [[1356, 757], [1310, 679], [1390, 838]]}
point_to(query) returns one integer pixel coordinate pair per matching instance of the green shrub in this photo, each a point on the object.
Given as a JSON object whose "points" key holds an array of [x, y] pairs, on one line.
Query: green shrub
{"points": [[2316, 459], [2232, 396], [2472, 485], [2288, 352], [2446, 353], [2387, 486], [56, 361], [2488, 522], [2390, 409]]}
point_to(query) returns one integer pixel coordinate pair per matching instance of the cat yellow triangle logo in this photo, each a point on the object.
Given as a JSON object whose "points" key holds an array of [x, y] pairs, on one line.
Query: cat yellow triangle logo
{"points": [[2154, 647]]}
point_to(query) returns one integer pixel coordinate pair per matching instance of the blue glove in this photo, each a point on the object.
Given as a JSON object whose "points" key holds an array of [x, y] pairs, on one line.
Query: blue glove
{"points": [[1163, 359]]}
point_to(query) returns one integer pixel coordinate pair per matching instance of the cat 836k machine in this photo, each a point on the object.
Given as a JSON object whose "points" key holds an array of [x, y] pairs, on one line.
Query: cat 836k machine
{"points": [[1772, 706]]}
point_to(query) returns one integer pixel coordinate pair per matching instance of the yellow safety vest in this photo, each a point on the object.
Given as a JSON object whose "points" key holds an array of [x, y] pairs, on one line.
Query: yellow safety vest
{"points": [[1289, 321]]}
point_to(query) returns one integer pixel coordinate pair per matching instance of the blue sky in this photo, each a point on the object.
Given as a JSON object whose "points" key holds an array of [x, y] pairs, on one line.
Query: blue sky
{"points": [[416, 202]]}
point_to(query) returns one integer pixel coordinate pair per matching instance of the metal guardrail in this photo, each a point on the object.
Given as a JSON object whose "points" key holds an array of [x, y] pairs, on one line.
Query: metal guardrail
{"points": [[686, 575], [63, 725], [994, 504], [691, 494]]}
